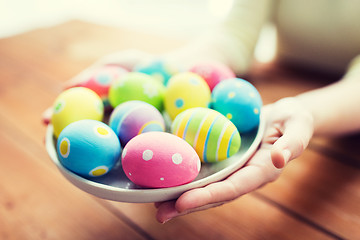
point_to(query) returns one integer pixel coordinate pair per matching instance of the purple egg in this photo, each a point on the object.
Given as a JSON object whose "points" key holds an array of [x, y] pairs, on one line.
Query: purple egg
{"points": [[132, 118]]}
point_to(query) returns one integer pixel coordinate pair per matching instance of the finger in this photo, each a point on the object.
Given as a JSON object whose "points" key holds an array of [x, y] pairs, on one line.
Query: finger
{"points": [[296, 135], [46, 116], [280, 157], [167, 210], [158, 204], [241, 182]]}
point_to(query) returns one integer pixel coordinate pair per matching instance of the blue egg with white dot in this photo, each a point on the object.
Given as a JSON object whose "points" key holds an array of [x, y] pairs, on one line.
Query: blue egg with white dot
{"points": [[89, 148], [239, 101]]}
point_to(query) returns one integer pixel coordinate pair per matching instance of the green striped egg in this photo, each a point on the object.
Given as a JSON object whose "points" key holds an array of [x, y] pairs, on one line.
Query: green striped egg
{"points": [[211, 134]]}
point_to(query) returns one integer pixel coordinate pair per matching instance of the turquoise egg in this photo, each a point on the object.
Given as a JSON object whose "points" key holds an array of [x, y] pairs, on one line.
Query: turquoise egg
{"points": [[159, 69], [239, 101], [89, 148]]}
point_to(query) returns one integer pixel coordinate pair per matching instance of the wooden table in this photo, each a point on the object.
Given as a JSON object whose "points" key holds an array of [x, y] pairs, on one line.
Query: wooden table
{"points": [[316, 197]]}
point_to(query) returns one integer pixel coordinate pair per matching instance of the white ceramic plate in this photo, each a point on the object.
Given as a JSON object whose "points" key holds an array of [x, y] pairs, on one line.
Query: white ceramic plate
{"points": [[117, 187]]}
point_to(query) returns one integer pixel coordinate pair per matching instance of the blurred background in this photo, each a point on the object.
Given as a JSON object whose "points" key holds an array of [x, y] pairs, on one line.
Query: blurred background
{"points": [[182, 19], [179, 18]]}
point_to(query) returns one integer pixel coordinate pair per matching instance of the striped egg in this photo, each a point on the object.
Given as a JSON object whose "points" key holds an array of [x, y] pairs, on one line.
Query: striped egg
{"points": [[211, 134], [132, 118]]}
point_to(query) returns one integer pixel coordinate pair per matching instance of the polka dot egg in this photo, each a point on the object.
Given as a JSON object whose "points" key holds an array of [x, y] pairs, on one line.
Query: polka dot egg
{"points": [[160, 160], [76, 104], [160, 70], [99, 80], [137, 86], [239, 101], [213, 136], [212, 72], [186, 90], [89, 148], [132, 118]]}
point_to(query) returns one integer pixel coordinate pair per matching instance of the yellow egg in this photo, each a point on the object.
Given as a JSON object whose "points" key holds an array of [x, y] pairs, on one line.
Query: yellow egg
{"points": [[76, 104], [186, 90]]}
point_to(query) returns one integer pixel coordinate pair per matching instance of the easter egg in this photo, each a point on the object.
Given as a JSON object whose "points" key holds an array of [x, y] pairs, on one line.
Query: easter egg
{"points": [[99, 80], [160, 160], [186, 90], [160, 70], [88, 147], [239, 101], [213, 72], [76, 104], [137, 86], [211, 134], [132, 118]]}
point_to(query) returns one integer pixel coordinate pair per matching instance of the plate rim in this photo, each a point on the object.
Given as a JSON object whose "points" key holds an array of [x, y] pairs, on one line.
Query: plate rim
{"points": [[143, 195]]}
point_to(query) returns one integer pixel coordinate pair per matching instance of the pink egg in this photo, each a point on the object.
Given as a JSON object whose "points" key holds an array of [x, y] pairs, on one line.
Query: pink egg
{"points": [[160, 160], [213, 72], [99, 79]]}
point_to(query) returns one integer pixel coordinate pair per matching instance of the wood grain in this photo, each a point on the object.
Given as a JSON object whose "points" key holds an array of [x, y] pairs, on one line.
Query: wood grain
{"points": [[249, 217], [316, 197], [37, 203]]}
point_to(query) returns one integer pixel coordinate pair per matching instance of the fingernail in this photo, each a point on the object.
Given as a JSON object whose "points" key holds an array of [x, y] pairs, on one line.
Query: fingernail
{"points": [[286, 154], [166, 220]]}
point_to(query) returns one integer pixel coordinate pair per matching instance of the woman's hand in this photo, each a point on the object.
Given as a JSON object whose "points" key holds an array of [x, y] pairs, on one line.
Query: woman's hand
{"points": [[288, 132]]}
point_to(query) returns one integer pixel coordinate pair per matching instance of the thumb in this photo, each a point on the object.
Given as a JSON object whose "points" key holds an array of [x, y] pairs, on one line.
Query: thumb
{"points": [[297, 133], [46, 116]]}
